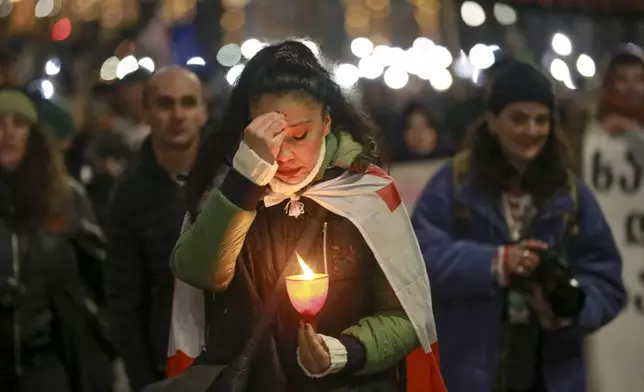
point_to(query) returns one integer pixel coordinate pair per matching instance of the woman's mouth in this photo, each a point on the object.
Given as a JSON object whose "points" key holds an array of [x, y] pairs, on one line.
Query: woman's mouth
{"points": [[288, 172]]}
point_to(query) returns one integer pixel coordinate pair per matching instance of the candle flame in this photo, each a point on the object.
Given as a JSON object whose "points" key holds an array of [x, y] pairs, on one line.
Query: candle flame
{"points": [[307, 271]]}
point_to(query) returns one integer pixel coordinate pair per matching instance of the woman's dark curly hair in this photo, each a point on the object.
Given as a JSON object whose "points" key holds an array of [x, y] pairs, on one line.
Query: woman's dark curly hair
{"points": [[544, 177], [284, 68]]}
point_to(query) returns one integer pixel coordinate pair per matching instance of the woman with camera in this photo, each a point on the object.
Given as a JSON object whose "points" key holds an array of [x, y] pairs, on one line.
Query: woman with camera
{"points": [[50, 337], [522, 262]]}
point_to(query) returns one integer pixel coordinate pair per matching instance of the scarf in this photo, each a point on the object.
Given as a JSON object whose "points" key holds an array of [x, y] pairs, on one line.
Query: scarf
{"points": [[336, 151]]}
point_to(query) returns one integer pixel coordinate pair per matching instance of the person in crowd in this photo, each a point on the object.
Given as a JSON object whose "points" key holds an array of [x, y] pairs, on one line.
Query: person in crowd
{"points": [[423, 135], [102, 152], [211, 95], [59, 123], [144, 223], [125, 98], [53, 115], [7, 71], [462, 114], [522, 262], [51, 255], [107, 158], [292, 132], [381, 107], [621, 105]]}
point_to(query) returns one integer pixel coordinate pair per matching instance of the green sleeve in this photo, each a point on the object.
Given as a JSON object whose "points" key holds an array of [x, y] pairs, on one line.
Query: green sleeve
{"points": [[206, 253], [388, 336]]}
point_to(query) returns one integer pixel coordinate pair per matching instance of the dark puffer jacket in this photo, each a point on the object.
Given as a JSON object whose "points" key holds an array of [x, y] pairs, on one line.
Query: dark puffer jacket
{"points": [[143, 225], [50, 283], [237, 248]]}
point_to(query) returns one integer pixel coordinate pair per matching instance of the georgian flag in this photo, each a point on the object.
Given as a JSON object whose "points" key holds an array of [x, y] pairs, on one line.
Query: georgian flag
{"points": [[372, 203]]}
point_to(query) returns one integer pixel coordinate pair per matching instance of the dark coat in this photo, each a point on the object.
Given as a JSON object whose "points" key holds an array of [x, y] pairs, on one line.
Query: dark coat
{"points": [[47, 276], [144, 223]]}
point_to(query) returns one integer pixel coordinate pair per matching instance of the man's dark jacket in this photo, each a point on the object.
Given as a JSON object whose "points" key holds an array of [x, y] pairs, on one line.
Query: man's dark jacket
{"points": [[143, 224]]}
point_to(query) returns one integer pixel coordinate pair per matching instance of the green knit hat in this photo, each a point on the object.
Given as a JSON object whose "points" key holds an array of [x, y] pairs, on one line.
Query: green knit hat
{"points": [[16, 102], [57, 120]]}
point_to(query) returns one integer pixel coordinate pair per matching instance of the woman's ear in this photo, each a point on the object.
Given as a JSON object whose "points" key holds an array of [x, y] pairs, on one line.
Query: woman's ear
{"points": [[327, 123]]}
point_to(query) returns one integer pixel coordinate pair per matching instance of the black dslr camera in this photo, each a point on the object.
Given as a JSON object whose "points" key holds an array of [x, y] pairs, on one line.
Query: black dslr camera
{"points": [[560, 289]]}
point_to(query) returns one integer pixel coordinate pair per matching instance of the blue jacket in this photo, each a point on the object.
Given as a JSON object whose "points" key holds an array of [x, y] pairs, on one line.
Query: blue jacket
{"points": [[468, 303]]}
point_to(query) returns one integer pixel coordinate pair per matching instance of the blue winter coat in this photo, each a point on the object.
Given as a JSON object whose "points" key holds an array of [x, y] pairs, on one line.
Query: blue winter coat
{"points": [[468, 302]]}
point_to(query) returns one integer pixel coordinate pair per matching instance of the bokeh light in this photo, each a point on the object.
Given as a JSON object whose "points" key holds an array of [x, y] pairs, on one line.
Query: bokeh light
{"points": [[361, 47], [229, 55], [233, 73], [346, 75], [250, 47], [52, 66], [61, 30], [396, 78], [472, 13], [561, 44], [586, 66]]}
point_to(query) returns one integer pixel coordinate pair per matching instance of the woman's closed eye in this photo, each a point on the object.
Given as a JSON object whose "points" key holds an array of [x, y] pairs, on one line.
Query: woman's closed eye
{"points": [[301, 137], [299, 132]]}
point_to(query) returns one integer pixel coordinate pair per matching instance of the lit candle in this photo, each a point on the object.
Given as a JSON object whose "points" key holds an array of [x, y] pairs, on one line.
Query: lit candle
{"points": [[307, 292]]}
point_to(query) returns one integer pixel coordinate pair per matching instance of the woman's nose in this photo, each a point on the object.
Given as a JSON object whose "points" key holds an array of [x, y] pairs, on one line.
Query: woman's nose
{"points": [[284, 155], [533, 129]]}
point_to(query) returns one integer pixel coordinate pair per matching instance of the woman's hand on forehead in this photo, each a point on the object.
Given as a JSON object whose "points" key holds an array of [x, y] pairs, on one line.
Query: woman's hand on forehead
{"points": [[265, 135]]}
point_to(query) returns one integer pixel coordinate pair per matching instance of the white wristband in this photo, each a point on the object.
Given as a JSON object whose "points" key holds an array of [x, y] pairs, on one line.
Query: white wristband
{"points": [[338, 354], [252, 166]]}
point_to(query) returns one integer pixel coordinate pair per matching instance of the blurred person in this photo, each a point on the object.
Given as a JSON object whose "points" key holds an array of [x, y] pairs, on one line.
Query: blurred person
{"points": [[423, 135], [522, 262], [145, 221], [381, 105], [126, 97], [51, 251], [463, 113], [290, 131], [53, 115], [211, 99], [7, 74], [107, 157], [620, 111], [99, 156], [59, 123]]}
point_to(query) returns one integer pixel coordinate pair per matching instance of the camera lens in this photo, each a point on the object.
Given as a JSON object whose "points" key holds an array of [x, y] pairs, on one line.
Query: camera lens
{"points": [[567, 300]]}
